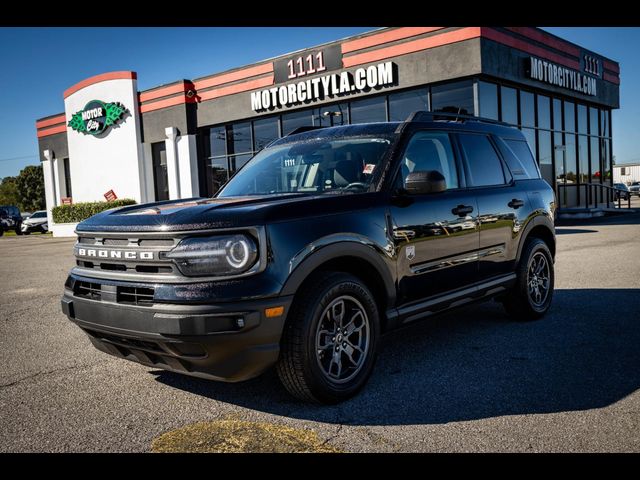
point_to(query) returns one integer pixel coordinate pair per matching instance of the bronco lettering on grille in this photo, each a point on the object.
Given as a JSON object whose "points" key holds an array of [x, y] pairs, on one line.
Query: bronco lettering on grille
{"points": [[119, 254]]}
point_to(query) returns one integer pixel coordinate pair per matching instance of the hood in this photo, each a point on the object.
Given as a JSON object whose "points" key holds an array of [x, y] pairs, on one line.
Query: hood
{"points": [[229, 212]]}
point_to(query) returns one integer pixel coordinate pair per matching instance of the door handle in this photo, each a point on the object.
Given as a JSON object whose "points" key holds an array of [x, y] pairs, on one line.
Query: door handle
{"points": [[516, 203], [462, 210]]}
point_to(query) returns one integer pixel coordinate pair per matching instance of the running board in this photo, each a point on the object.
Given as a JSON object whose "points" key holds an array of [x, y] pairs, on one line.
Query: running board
{"points": [[416, 311]]}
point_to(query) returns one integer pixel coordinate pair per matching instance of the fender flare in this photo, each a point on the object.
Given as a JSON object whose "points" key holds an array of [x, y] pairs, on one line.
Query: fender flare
{"points": [[538, 220], [345, 248]]}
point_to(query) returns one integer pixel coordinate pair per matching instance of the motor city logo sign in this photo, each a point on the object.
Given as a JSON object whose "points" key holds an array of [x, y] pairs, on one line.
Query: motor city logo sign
{"points": [[560, 76], [317, 88], [97, 116]]}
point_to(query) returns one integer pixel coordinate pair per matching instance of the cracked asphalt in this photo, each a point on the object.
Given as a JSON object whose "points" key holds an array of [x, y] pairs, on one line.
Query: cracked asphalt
{"points": [[467, 381]]}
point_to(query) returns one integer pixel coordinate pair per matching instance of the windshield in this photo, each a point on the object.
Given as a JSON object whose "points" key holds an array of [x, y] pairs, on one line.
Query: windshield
{"points": [[39, 215], [345, 164]]}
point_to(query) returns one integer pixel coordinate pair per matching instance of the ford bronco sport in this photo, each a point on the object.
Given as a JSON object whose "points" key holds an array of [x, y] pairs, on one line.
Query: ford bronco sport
{"points": [[322, 242]]}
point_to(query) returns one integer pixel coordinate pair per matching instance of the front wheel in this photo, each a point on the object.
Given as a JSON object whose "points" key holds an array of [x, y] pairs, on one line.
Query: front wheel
{"points": [[330, 340], [530, 298]]}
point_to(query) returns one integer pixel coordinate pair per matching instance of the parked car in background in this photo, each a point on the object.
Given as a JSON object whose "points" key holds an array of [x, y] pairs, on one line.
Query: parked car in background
{"points": [[10, 219], [622, 191], [634, 188], [37, 222]]}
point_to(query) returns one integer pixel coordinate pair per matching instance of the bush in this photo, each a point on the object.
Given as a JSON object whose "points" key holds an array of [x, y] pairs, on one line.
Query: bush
{"points": [[77, 212]]}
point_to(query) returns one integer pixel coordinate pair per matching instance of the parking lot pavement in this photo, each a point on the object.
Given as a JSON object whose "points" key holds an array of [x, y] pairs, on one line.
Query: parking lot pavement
{"points": [[467, 381]]}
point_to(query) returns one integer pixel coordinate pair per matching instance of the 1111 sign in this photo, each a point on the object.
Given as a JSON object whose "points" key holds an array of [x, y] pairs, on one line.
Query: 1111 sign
{"points": [[308, 63], [302, 66]]}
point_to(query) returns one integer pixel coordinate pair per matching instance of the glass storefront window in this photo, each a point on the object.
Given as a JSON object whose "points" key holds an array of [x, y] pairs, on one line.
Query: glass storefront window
{"points": [[216, 174], [239, 138], [544, 155], [544, 112], [509, 104], [583, 158], [570, 154], [596, 176], [593, 121], [569, 117], [264, 132], [237, 161], [557, 114], [582, 119], [331, 115], [217, 142], [527, 109], [293, 120], [402, 104], [454, 97], [488, 100], [369, 110], [606, 162], [604, 123], [530, 135]]}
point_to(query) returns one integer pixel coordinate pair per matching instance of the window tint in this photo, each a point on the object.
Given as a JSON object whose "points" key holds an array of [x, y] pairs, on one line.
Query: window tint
{"points": [[484, 165], [524, 158], [430, 151]]}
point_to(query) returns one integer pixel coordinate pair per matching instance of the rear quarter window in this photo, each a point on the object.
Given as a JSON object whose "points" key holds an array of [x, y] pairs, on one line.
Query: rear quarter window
{"points": [[519, 158]]}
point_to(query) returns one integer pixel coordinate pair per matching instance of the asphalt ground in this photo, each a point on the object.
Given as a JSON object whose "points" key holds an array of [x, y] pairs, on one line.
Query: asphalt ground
{"points": [[467, 381]]}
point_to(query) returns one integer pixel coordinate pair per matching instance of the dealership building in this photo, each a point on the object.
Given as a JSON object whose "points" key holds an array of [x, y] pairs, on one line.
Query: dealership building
{"points": [[184, 139]]}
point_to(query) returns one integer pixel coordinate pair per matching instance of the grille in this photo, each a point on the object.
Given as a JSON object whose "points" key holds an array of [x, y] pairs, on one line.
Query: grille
{"points": [[120, 265], [88, 290], [140, 296]]}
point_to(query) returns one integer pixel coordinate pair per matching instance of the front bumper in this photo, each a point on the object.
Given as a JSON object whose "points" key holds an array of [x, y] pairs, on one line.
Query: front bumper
{"points": [[27, 227], [228, 341]]}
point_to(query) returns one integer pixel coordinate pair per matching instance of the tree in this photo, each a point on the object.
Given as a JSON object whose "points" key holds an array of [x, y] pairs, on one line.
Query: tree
{"points": [[30, 185], [9, 191]]}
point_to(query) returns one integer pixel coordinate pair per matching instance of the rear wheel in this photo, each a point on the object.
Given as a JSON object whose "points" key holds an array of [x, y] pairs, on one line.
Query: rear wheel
{"points": [[330, 340], [531, 296]]}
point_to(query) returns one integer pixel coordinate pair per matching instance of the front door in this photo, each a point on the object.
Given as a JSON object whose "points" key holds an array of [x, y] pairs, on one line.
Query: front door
{"points": [[435, 235]]}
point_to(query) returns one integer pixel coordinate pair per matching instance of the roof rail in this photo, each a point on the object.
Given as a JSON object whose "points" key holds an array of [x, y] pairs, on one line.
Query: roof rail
{"points": [[423, 116], [305, 128]]}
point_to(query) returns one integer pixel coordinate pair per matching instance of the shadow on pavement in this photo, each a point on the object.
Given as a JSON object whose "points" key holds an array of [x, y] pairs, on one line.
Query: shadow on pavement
{"points": [[622, 218], [476, 363]]}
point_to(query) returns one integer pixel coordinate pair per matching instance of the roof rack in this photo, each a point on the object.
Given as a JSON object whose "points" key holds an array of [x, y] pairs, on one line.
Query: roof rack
{"points": [[423, 116]]}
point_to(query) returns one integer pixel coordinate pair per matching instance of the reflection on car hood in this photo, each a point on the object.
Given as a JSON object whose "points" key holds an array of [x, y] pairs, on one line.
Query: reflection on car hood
{"points": [[229, 212]]}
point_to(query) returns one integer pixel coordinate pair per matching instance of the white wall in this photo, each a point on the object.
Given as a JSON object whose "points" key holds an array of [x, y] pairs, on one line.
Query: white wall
{"points": [[632, 174], [112, 160]]}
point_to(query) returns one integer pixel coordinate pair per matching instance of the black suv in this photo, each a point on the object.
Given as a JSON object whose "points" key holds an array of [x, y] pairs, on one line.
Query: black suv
{"points": [[10, 219], [323, 241]]}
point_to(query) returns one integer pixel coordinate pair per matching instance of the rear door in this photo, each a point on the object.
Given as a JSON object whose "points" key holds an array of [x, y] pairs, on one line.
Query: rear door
{"points": [[502, 203]]}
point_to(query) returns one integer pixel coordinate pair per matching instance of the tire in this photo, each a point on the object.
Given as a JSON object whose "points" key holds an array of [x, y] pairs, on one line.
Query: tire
{"points": [[18, 231], [318, 377], [1, 232], [27, 233], [523, 303]]}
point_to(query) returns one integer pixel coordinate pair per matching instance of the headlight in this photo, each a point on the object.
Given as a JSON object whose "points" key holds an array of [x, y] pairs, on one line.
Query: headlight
{"points": [[214, 256]]}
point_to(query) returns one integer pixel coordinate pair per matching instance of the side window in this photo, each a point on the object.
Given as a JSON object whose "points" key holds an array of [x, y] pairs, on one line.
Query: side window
{"points": [[430, 151], [485, 167], [520, 159]]}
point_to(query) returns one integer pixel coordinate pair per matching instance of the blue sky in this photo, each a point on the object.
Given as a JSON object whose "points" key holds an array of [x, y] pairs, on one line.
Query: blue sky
{"points": [[38, 64]]}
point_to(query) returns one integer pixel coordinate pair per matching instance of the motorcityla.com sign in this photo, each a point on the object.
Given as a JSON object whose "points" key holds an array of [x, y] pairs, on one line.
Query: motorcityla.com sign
{"points": [[317, 88]]}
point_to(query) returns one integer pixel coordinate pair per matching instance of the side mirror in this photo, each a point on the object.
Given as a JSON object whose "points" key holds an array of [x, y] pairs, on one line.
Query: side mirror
{"points": [[421, 183]]}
